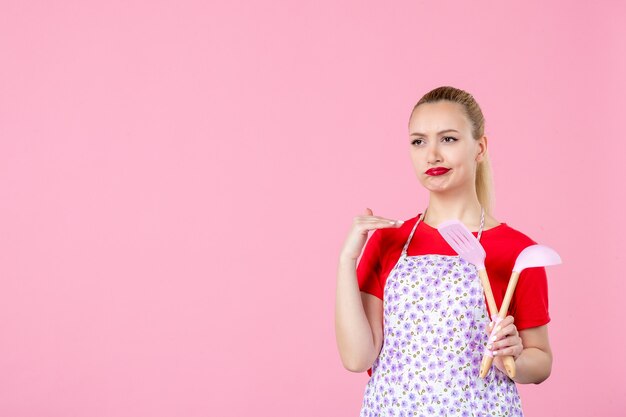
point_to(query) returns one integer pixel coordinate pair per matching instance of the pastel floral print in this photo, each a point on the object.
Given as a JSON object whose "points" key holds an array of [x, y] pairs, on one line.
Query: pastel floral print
{"points": [[434, 338]]}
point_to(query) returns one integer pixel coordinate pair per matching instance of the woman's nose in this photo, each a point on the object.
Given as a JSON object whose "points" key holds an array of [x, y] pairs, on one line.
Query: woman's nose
{"points": [[433, 154]]}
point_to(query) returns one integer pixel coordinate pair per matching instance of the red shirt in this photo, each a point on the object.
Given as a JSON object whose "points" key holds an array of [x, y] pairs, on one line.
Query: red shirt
{"points": [[502, 243]]}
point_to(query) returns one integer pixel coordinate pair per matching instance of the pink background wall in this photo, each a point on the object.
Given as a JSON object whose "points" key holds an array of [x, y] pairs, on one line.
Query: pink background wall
{"points": [[177, 179]]}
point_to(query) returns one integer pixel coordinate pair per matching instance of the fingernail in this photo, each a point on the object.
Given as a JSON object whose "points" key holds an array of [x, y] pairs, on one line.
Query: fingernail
{"points": [[495, 353], [400, 221], [489, 346], [490, 325], [498, 329], [493, 339]]}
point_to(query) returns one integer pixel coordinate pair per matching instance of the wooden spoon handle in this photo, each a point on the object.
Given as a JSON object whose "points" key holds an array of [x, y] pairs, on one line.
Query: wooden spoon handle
{"points": [[485, 365], [491, 302], [509, 365], [509, 362]]}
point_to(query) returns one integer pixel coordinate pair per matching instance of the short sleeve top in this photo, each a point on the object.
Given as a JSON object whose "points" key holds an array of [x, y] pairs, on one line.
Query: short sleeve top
{"points": [[502, 244]]}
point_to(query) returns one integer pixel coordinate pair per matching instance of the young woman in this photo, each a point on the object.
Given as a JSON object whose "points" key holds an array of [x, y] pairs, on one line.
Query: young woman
{"points": [[413, 313]]}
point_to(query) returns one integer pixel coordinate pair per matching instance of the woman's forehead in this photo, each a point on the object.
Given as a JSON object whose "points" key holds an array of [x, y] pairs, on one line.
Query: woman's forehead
{"points": [[432, 118]]}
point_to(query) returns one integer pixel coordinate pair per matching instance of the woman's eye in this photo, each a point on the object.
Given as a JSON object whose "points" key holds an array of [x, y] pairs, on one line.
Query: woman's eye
{"points": [[445, 139]]}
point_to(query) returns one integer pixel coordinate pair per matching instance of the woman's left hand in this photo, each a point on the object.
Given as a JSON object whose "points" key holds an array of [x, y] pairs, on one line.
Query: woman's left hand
{"points": [[507, 342]]}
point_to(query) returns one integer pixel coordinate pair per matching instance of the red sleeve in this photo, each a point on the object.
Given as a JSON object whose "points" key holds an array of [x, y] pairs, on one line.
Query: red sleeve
{"points": [[368, 270], [529, 306]]}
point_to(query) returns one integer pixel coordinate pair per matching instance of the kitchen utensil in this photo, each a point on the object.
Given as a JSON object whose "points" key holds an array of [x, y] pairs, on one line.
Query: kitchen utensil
{"points": [[532, 256], [469, 248]]}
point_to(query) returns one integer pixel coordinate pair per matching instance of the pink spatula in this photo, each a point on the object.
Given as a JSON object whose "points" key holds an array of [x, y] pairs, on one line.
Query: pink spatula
{"points": [[469, 248]]}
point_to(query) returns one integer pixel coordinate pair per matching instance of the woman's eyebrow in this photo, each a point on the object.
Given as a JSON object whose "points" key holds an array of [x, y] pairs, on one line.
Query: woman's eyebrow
{"points": [[439, 133]]}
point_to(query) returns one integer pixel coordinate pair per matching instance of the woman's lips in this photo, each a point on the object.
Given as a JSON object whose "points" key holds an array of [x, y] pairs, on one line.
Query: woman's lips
{"points": [[437, 171]]}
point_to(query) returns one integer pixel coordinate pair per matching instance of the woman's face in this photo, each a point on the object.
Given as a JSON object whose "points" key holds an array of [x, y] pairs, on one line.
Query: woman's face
{"points": [[440, 136]]}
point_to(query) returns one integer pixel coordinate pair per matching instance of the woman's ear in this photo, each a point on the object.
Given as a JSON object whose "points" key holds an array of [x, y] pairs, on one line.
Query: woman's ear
{"points": [[482, 144]]}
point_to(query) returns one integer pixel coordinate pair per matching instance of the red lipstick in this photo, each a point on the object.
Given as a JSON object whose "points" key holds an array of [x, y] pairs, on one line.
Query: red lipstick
{"points": [[437, 171]]}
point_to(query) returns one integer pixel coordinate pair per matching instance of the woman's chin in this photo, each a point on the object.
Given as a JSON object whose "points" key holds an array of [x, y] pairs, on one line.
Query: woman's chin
{"points": [[436, 185], [443, 188]]}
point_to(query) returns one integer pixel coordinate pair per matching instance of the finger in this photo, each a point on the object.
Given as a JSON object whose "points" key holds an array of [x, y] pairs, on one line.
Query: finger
{"points": [[507, 330], [504, 343], [364, 218], [385, 223], [497, 335], [383, 220], [508, 320], [489, 327], [513, 350], [364, 224], [364, 227], [377, 221]]}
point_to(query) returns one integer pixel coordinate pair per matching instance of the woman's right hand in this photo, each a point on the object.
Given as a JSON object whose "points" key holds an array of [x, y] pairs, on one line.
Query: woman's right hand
{"points": [[361, 226]]}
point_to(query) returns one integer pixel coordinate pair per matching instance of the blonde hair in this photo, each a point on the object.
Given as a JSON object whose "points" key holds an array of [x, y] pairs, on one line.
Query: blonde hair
{"points": [[484, 178]]}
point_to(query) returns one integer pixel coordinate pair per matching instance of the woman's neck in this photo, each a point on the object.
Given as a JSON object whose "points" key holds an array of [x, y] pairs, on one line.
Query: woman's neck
{"points": [[464, 207]]}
